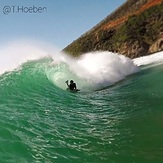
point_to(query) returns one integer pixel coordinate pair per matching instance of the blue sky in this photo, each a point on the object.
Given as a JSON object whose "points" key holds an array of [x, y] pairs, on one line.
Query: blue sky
{"points": [[58, 23]]}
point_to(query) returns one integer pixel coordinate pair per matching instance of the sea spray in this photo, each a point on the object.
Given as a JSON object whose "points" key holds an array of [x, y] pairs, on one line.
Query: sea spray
{"points": [[15, 53], [91, 71], [106, 68]]}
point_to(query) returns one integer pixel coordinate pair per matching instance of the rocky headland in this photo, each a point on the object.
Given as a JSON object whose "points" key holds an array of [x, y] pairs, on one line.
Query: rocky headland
{"points": [[134, 29]]}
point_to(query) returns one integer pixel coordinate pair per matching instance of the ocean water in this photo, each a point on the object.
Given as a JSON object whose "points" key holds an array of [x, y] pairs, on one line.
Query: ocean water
{"points": [[117, 117]]}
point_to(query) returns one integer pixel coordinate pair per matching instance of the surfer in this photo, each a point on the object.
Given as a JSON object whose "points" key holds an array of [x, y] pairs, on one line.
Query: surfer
{"points": [[72, 85]]}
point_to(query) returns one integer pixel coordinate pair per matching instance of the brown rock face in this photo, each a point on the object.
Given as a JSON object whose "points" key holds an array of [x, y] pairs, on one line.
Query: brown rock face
{"points": [[134, 49], [157, 46]]}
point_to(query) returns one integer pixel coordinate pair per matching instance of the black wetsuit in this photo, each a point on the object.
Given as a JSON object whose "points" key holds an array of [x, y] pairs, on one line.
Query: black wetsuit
{"points": [[72, 86]]}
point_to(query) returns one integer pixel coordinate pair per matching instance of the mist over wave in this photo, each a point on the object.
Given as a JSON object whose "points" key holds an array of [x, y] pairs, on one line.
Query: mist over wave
{"points": [[92, 71], [14, 54]]}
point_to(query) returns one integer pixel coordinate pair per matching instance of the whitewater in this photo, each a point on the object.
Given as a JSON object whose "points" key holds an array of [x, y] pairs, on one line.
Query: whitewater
{"points": [[116, 117]]}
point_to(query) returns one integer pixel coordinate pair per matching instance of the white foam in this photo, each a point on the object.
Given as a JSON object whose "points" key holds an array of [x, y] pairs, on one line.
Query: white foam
{"points": [[150, 59], [104, 68]]}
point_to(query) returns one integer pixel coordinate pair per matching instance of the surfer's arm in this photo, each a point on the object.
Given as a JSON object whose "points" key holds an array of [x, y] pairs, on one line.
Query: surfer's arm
{"points": [[67, 84]]}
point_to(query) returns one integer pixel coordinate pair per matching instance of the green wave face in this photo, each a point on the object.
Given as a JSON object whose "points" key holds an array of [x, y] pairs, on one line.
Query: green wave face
{"points": [[42, 122]]}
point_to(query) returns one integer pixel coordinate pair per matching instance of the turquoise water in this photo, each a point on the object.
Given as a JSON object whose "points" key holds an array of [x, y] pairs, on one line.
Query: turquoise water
{"points": [[41, 122]]}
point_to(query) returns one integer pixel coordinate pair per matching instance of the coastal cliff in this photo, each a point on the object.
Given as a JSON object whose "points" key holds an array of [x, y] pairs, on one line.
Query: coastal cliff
{"points": [[135, 29]]}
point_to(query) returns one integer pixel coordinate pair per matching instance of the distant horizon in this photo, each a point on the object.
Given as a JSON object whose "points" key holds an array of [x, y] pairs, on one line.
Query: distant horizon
{"points": [[58, 23]]}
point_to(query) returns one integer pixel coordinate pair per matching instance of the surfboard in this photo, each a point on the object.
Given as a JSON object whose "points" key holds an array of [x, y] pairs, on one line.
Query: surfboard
{"points": [[73, 91]]}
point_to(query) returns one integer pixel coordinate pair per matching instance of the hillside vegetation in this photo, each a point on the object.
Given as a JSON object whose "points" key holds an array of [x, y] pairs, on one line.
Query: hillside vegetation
{"points": [[134, 29]]}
